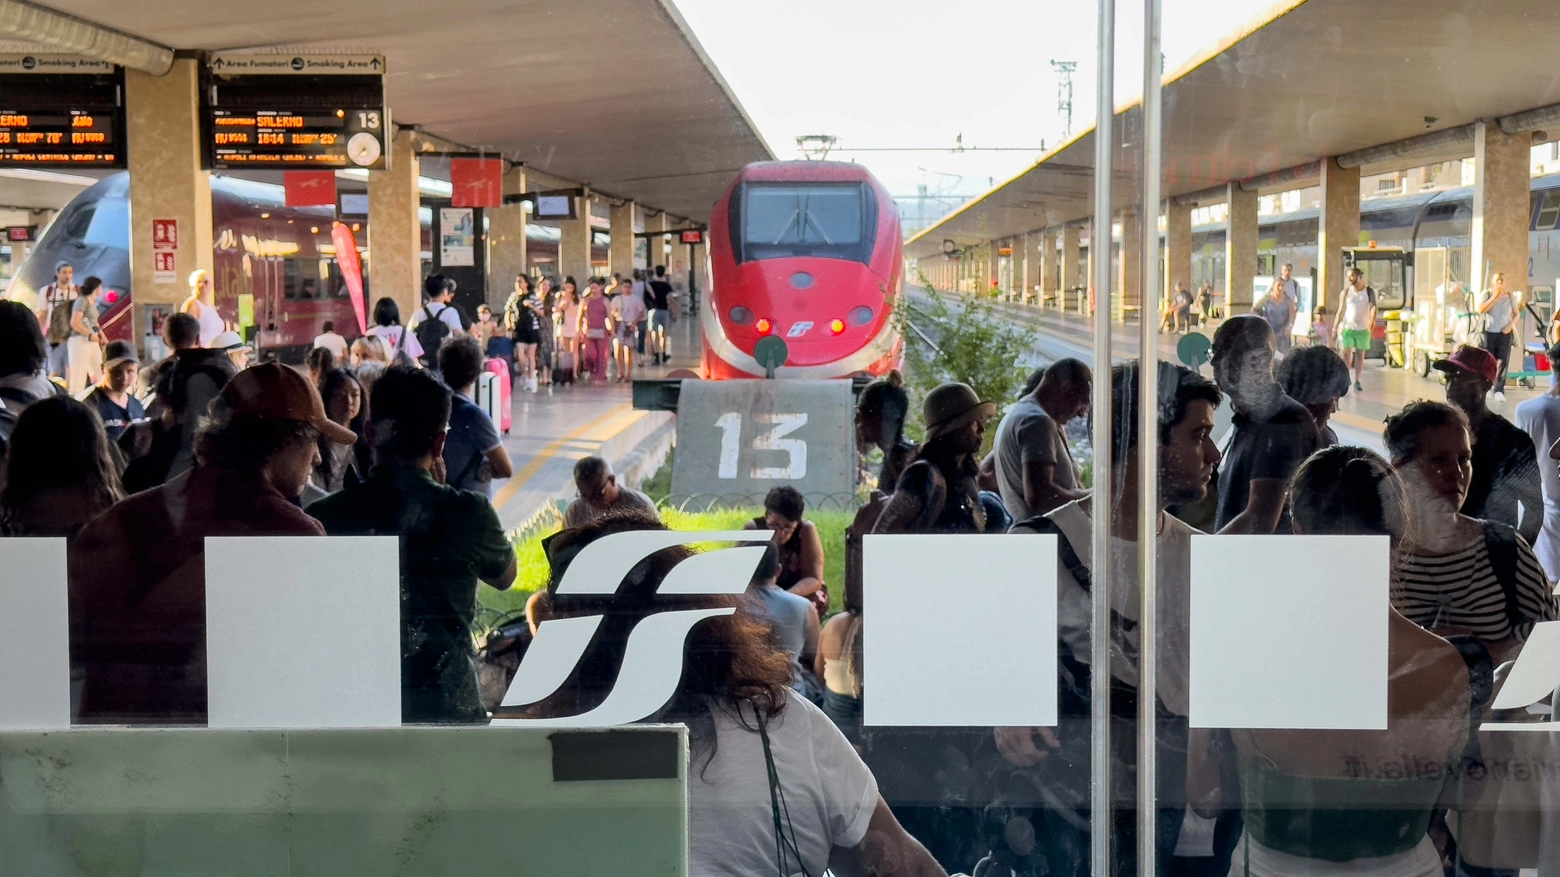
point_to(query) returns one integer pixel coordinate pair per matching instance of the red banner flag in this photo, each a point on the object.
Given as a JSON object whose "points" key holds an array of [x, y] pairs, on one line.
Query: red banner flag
{"points": [[351, 271], [478, 182], [310, 188]]}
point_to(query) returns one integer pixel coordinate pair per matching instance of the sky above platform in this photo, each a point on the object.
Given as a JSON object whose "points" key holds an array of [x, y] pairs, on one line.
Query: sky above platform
{"points": [[920, 73]]}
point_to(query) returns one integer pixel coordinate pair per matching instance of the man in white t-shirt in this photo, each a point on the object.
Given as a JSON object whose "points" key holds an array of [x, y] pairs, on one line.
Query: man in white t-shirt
{"points": [[1356, 322], [1288, 284], [1540, 419], [1187, 455], [54, 315], [628, 312], [440, 291], [1034, 465], [331, 340]]}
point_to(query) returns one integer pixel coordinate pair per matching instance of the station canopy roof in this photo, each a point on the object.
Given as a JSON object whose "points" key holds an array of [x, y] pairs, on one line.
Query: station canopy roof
{"points": [[1309, 79], [614, 94]]}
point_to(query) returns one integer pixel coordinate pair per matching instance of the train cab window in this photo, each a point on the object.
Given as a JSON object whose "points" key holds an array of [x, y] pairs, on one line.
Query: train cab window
{"points": [[109, 224], [1548, 212], [79, 221], [827, 220]]}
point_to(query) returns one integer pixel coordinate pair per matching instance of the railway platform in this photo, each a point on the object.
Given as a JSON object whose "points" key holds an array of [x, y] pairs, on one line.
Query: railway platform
{"points": [[550, 432], [1360, 414]]}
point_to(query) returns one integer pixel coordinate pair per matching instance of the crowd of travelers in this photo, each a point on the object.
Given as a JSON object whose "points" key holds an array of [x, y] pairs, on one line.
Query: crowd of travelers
{"points": [[382, 436]]}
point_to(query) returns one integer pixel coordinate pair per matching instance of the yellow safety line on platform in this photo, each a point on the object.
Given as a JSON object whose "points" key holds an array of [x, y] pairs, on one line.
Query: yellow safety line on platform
{"points": [[547, 453], [1373, 427]]}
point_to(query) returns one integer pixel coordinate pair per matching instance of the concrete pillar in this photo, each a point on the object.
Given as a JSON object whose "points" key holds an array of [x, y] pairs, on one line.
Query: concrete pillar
{"points": [[1240, 248], [1050, 264], [1033, 243], [574, 244], [394, 231], [1178, 246], [1069, 263], [656, 251], [1338, 226], [622, 252], [1499, 231], [166, 182], [506, 242], [1132, 298]]}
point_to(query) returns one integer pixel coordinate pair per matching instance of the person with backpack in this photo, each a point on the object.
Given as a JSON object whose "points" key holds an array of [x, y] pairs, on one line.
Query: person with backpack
{"points": [[438, 319], [22, 358], [58, 297], [401, 346], [1459, 575]]}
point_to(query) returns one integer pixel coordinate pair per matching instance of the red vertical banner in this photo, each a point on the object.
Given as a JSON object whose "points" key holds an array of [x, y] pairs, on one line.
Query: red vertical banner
{"points": [[310, 188], [478, 182], [351, 272]]}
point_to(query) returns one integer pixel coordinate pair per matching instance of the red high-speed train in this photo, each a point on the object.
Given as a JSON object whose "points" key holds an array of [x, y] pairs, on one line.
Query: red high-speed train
{"points": [[809, 251]]}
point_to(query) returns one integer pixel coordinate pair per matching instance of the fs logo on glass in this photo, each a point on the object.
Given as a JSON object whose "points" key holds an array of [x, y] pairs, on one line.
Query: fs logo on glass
{"points": [[653, 656]]}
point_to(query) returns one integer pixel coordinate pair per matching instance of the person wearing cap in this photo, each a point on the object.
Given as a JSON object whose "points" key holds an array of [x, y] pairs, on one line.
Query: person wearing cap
{"points": [[137, 572], [1540, 419], [1035, 470], [112, 399], [54, 314], [1272, 433], [451, 541], [925, 773], [1505, 463], [233, 345], [937, 492]]}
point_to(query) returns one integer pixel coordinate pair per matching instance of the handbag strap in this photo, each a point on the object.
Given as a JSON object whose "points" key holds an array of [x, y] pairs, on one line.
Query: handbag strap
{"points": [[785, 831]]}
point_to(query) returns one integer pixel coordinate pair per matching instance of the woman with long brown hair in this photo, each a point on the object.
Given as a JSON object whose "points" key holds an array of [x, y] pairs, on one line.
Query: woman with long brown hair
{"points": [[773, 787], [60, 471]]}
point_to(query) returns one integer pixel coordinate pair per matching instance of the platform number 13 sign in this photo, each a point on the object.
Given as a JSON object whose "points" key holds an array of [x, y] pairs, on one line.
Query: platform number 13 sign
{"points": [[772, 437]]}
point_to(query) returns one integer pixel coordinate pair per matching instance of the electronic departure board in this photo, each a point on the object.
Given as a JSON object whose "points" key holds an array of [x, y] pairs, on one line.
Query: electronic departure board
{"points": [[296, 112], [61, 111]]}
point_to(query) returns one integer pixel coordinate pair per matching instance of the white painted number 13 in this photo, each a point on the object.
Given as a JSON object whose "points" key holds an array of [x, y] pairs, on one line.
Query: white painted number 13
{"points": [[730, 425]]}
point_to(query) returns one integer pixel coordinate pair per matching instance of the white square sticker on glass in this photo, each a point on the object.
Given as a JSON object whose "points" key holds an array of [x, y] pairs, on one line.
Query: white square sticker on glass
{"points": [[962, 630], [303, 632], [34, 635], [1289, 632]]}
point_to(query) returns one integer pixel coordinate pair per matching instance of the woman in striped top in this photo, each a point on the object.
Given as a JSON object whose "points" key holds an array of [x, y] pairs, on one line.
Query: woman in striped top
{"points": [[1459, 575]]}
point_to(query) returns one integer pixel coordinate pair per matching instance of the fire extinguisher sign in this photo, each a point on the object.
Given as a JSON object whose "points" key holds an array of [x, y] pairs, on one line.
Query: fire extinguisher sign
{"points": [[165, 246]]}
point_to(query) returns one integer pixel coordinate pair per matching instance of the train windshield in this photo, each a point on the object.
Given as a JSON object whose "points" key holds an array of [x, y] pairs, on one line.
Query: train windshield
{"points": [[825, 220]]}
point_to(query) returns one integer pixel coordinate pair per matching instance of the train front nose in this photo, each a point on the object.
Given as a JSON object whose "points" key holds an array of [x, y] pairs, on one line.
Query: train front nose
{"points": [[823, 312]]}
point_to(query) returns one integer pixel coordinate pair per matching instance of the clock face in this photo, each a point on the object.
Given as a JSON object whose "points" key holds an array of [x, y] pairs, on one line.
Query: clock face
{"points": [[363, 149]]}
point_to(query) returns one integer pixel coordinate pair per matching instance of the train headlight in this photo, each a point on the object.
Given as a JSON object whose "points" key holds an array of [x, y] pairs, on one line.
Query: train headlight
{"points": [[763, 326], [836, 326], [111, 296], [739, 315], [859, 316]]}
